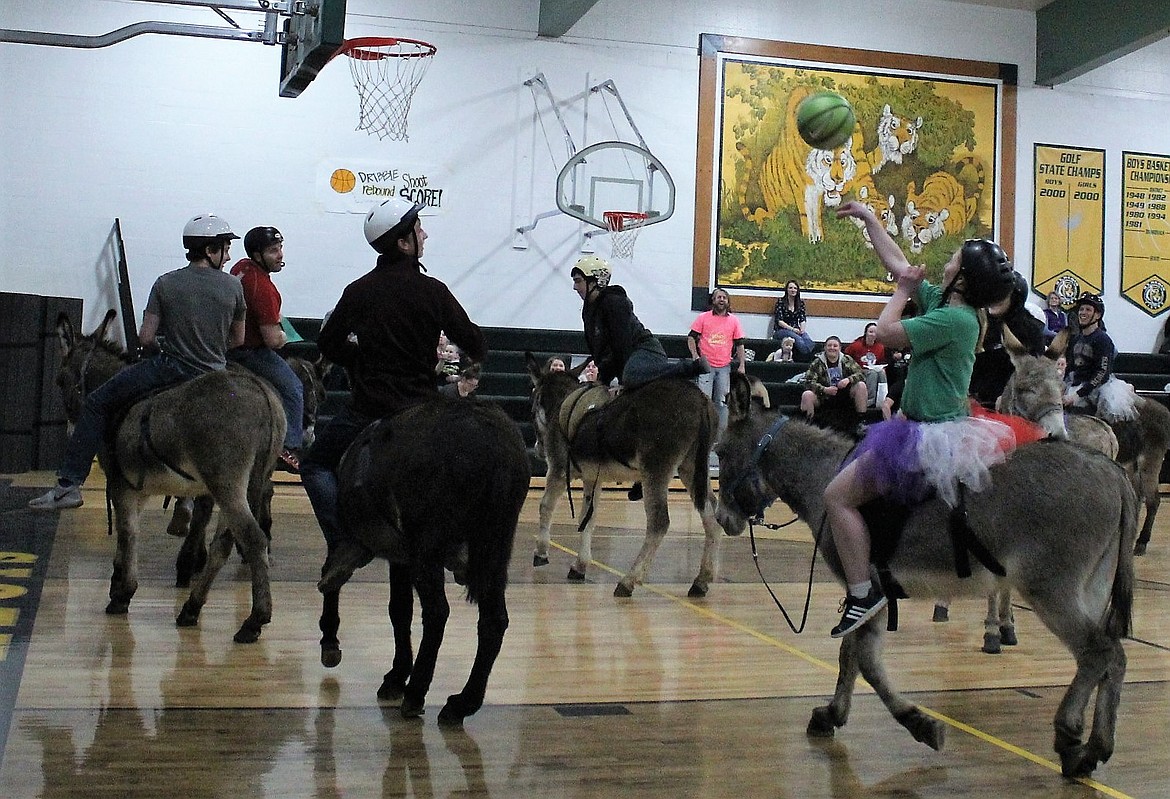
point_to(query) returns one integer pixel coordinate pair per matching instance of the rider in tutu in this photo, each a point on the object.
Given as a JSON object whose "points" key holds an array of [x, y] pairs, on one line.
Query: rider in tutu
{"points": [[934, 443]]}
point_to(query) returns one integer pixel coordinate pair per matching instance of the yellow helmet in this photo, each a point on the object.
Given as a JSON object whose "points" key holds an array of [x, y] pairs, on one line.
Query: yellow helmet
{"points": [[591, 266]]}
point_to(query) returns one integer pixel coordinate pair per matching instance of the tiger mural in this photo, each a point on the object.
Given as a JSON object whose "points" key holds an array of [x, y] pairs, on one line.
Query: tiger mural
{"points": [[795, 176], [896, 137], [944, 207]]}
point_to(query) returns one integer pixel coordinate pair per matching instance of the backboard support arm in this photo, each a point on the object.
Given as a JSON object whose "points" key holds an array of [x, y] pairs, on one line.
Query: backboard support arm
{"points": [[272, 9]]}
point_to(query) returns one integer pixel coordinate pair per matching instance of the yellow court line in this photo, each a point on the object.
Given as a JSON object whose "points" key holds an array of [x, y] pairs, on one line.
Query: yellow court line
{"points": [[832, 668]]}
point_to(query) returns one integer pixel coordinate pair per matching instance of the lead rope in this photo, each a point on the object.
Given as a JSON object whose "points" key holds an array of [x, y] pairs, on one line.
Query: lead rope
{"points": [[811, 566]]}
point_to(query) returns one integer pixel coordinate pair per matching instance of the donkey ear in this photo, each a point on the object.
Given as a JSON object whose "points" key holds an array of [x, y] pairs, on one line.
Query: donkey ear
{"points": [[533, 367], [66, 336], [1012, 344], [1058, 345], [100, 333], [739, 400]]}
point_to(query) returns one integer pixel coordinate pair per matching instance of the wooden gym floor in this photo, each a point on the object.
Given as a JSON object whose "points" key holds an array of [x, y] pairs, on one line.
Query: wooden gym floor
{"points": [[654, 696]]}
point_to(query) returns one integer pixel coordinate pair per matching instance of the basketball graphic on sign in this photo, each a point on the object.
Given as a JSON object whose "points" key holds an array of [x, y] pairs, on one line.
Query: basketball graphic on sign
{"points": [[342, 181]]}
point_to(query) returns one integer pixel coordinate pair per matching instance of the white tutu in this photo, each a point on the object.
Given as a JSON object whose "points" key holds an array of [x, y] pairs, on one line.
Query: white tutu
{"points": [[1116, 400], [962, 451]]}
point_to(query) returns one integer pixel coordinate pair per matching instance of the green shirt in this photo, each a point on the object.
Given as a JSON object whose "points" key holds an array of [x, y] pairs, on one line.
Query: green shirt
{"points": [[942, 342]]}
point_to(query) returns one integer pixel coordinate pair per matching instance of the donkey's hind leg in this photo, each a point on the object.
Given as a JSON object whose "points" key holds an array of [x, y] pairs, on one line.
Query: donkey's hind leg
{"points": [[124, 579], [493, 623], [401, 612], [432, 599], [1146, 485], [656, 502], [712, 534], [554, 486], [585, 527]]}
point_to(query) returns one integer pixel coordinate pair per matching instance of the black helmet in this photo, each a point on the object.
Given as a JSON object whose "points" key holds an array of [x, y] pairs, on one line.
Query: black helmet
{"points": [[258, 239], [1094, 301], [987, 272]]}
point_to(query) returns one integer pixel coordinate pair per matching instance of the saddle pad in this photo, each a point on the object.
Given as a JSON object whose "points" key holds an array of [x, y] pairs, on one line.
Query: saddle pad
{"points": [[580, 402]]}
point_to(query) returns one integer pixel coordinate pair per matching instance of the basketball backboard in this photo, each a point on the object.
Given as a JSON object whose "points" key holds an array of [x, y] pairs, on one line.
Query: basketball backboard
{"points": [[615, 176], [312, 37]]}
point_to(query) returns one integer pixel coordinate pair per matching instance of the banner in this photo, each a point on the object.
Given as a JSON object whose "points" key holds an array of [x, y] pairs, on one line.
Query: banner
{"points": [[1145, 233], [354, 187], [1068, 225]]}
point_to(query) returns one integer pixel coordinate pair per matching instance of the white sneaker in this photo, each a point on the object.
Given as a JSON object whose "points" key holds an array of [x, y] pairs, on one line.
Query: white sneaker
{"points": [[58, 498]]}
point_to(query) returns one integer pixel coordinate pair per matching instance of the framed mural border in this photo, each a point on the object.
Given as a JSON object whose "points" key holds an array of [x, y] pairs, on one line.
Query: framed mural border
{"points": [[711, 46]]}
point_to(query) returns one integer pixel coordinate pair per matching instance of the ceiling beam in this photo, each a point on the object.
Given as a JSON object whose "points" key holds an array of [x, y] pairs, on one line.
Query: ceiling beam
{"points": [[1076, 36], [557, 16]]}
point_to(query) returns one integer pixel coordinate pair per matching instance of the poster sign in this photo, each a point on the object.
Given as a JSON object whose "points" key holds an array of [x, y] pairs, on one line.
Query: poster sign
{"points": [[1068, 241], [1145, 233], [353, 187]]}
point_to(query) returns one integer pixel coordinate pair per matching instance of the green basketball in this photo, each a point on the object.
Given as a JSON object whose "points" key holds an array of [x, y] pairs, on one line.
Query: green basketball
{"points": [[825, 120]]}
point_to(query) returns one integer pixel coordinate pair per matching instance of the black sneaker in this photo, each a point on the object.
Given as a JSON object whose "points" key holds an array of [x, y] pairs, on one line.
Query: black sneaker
{"points": [[856, 612]]}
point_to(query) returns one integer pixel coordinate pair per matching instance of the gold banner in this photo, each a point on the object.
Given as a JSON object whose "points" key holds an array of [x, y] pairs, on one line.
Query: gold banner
{"points": [[1145, 231], [1068, 241]]}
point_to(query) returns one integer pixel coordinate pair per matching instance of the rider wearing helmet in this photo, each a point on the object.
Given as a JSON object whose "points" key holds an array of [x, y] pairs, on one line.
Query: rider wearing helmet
{"points": [[993, 363], [193, 317], [621, 346], [1090, 365], [936, 446], [263, 334], [384, 331]]}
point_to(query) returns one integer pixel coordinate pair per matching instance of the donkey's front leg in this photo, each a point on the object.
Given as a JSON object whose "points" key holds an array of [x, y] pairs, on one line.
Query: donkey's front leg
{"points": [[124, 580], [868, 652], [585, 525], [554, 486], [827, 718], [712, 533], [217, 554]]}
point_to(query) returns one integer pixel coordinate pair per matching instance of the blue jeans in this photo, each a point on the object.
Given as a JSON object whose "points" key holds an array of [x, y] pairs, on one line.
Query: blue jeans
{"points": [[803, 343], [715, 385], [266, 364], [645, 365], [120, 391], [319, 469]]}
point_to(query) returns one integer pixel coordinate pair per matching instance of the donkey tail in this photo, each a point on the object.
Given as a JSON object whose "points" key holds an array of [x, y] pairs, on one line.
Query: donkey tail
{"points": [[1119, 620], [489, 545]]}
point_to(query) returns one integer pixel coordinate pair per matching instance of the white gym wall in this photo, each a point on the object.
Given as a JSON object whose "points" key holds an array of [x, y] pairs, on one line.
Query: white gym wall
{"points": [[159, 128]]}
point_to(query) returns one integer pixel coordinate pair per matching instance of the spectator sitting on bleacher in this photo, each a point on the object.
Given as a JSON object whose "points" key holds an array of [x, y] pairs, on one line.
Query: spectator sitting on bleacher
{"points": [[554, 364], [588, 374], [1055, 319], [450, 365], [789, 318], [833, 380], [465, 387], [784, 354], [870, 354]]}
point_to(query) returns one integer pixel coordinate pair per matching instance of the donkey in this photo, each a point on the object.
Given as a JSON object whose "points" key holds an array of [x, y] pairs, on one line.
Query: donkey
{"points": [[441, 483], [218, 434], [1142, 443], [646, 434], [1072, 560]]}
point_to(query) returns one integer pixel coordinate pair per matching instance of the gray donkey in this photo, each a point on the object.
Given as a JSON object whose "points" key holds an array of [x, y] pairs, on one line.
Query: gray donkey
{"points": [[218, 434], [647, 434], [1072, 559]]}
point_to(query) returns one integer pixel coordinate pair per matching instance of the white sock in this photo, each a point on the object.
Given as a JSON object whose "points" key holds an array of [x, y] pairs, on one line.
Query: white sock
{"points": [[859, 590]]}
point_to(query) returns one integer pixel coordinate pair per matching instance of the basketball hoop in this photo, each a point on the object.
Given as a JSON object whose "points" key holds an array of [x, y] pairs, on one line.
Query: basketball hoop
{"points": [[624, 227], [385, 73]]}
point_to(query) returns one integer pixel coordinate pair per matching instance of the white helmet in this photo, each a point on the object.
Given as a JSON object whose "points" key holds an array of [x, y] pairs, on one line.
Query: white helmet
{"points": [[389, 221], [594, 267], [206, 230]]}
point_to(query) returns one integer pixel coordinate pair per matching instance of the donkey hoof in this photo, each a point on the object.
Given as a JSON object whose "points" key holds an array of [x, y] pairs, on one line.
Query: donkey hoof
{"points": [[575, 576], [1007, 636], [1139, 549], [249, 632], [411, 708], [623, 590], [330, 655], [698, 589], [941, 613], [118, 607], [391, 691], [821, 724], [1076, 763], [456, 710], [991, 644], [539, 560], [188, 616], [925, 730]]}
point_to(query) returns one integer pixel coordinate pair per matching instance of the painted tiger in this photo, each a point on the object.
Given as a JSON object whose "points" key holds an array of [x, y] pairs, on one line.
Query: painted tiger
{"points": [[945, 206], [882, 207], [795, 176], [896, 137]]}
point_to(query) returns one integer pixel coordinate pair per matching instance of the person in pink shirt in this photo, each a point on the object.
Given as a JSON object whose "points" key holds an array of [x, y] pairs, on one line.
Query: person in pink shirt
{"points": [[717, 335]]}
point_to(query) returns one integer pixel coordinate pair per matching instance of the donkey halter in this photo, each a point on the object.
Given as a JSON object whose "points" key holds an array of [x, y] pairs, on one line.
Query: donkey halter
{"points": [[753, 474]]}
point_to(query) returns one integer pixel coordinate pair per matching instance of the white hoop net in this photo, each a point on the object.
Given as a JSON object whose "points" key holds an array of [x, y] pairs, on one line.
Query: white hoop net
{"points": [[385, 73], [624, 227]]}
